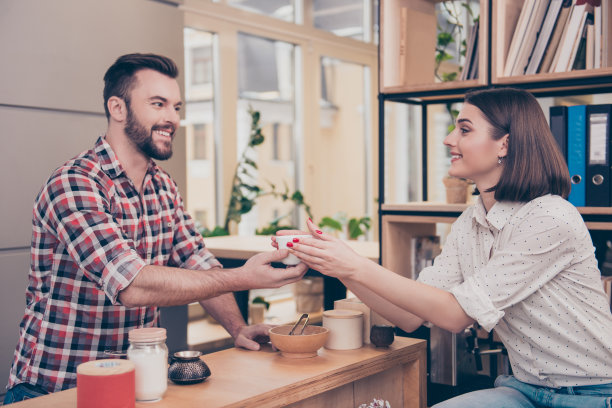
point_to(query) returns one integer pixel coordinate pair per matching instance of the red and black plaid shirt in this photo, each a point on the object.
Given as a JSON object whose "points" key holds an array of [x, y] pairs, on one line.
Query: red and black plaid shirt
{"points": [[92, 234]]}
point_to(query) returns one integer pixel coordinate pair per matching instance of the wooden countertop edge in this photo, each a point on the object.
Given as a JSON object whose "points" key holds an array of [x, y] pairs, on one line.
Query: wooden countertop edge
{"points": [[324, 382], [244, 247], [284, 395]]}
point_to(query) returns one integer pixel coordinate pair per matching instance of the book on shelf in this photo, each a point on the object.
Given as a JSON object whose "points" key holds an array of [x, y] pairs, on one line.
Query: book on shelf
{"points": [[423, 251], [590, 44], [533, 27], [403, 55], [471, 54], [606, 34], [555, 37], [473, 74], [558, 127], [579, 53], [597, 37], [571, 37], [544, 34], [507, 16], [518, 36]]}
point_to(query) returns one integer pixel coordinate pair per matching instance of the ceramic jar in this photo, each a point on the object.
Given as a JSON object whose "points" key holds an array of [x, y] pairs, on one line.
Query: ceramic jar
{"points": [[345, 329]]}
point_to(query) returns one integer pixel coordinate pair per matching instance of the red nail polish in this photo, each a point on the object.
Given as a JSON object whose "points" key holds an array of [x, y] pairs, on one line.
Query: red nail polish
{"points": [[318, 232], [309, 219], [296, 240], [289, 244]]}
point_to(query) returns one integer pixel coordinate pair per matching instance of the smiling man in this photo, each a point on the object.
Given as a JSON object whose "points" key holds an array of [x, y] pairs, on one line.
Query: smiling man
{"points": [[111, 242]]}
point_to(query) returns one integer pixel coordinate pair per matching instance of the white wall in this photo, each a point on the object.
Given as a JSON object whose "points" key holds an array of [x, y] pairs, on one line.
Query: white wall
{"points": [[54, 55]]}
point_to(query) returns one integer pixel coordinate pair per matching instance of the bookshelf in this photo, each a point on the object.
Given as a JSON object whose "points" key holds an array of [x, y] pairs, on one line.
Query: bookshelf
{"points": [[399, 222], [450, 372], [505, 15]]}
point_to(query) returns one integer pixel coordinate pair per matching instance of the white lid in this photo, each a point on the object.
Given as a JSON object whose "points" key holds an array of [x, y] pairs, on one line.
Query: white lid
{"points": [[342, 313], [147, 334]]}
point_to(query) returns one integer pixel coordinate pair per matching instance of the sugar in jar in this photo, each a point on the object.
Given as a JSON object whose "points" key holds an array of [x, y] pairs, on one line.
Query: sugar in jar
{"points": [[149, 354]]}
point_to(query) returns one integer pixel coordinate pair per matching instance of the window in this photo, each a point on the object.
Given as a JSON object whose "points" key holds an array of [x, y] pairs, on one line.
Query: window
{"points": [[345, 18], [266, 83], [201, 65], [281, 9], [297, 77], [200, 149], [199, 126], [344, 131], [315, 94]]}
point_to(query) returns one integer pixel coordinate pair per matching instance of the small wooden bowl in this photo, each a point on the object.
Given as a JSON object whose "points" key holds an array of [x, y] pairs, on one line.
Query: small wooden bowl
{"points": [[298, 345]]}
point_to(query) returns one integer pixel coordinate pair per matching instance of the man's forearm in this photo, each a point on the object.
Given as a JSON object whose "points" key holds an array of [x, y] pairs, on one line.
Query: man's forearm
{"points": [[224, 309], [166, 286]]}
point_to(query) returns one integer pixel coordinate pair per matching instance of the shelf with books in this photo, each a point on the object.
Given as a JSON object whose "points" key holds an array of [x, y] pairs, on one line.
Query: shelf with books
{"points": [[410, 43], [544, 43]]}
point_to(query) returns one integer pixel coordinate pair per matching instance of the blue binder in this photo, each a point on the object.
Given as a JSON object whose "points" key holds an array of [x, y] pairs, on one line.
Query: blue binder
{"points": [[576, 157]]}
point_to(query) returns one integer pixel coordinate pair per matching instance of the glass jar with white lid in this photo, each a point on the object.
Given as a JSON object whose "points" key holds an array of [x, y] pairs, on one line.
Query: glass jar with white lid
{"points": [[149, 354]]}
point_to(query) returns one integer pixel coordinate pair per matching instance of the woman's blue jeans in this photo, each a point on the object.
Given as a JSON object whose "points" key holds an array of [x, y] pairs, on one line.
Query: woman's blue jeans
{"points": [[512, 393]]}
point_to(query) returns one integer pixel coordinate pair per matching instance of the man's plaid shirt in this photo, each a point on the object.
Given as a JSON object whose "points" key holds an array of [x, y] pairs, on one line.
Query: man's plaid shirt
{"points": [[92, 234]]}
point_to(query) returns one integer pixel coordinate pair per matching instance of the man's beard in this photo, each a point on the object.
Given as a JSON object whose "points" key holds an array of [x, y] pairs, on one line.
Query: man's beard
{"points": [[143, 138]]}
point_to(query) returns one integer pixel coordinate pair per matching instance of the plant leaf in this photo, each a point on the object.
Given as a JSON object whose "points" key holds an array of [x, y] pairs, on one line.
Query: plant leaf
{"points": [[331, 223]]}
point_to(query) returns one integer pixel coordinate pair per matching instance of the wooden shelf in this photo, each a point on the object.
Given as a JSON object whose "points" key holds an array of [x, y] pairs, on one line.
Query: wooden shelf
{"points": [[505, 15], [408, 32], [430, 206], [425, 207], [596, 218]]}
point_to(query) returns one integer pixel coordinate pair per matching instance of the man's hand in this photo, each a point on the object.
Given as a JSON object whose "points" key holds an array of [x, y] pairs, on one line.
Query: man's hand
{"points": [[250, 337], [260, 274]]}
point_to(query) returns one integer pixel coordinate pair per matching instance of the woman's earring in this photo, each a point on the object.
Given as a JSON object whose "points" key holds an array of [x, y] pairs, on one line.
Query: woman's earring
{"points": [[499, 160]]}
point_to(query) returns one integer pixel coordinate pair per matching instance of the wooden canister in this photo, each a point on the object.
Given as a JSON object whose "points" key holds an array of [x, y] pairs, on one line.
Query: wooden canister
{"points": [[345, 329]]}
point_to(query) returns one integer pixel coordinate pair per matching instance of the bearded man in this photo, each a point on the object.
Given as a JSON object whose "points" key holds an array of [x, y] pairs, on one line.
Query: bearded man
{"points": [[111, 242]]}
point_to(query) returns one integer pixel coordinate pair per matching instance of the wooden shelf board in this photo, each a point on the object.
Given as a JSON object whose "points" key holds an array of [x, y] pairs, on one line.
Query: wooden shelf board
{"points": [[595, 210], [444, 207], [425, 207], [441, 87], [555, 76]]}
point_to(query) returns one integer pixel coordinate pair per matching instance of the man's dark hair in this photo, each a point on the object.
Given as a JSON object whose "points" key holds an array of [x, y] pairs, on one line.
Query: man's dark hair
{"points": [[119, 78]]}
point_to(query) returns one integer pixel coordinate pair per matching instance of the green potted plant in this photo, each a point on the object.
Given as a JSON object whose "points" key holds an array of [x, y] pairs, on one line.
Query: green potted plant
{"points": [[257, 309]]}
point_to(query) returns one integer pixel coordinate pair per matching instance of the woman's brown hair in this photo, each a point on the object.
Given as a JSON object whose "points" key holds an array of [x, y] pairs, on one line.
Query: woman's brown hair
{"points": [[534, 165]]}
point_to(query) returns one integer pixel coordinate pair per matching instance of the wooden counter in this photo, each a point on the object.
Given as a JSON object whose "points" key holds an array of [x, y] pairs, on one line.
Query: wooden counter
{"points": [[334, 379], [244, 247]]}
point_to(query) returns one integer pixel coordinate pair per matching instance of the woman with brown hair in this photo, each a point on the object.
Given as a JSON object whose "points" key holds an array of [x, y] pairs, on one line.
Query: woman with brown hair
{"points": [[520, 261]]}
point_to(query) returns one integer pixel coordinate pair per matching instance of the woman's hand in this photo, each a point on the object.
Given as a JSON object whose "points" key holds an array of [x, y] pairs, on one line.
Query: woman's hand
{"points": [[328, 255], [286, 232]]}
